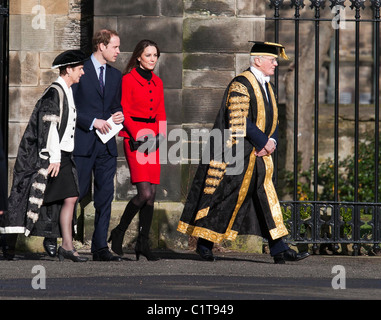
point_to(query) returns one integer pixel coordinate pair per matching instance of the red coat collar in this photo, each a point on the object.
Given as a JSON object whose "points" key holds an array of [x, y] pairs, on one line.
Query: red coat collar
{"points": [[140, 79]]}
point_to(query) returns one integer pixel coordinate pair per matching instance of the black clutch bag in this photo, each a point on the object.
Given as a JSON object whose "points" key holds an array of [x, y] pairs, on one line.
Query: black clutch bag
{"points": [[134, 145], [151, 143]]}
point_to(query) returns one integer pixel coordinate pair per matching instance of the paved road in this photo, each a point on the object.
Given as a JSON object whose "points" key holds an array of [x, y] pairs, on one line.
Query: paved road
{"points": [[182, 275]]}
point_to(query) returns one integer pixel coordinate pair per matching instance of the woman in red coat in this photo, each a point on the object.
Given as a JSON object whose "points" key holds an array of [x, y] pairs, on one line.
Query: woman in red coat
{"points": [[144, 129]]}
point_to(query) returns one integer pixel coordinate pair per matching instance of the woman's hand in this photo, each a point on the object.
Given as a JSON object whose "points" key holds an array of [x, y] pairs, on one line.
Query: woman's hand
{"points": [[54, 168]]}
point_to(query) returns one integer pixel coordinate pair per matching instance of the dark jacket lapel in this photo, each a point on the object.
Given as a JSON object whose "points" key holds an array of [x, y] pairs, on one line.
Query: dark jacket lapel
{"points": [[92, 74]]}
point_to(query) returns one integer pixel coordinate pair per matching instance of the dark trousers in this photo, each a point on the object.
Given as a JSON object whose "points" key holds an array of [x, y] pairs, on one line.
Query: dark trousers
{"points": [[103, 166]]}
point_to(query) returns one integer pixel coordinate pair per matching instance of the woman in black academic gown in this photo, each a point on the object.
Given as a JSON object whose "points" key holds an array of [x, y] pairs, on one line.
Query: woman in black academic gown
{"points": [[45, 184]]}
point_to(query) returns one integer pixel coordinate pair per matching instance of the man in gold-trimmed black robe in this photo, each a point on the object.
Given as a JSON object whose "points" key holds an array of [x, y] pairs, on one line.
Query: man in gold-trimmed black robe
{"points": [[221, 205]]}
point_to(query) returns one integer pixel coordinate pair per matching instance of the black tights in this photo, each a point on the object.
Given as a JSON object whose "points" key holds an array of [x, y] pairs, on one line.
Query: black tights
{"points": [[146, 194], [142, 202]]}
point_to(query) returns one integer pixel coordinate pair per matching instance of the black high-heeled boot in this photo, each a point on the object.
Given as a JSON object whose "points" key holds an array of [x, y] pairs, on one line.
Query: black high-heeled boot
{"points": [[117, 234], [142, 244]]}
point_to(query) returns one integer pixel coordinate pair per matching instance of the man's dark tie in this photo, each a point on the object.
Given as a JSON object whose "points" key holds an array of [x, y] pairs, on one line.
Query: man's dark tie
{"points": [[269, 106], [267, 92], [101, 83]]}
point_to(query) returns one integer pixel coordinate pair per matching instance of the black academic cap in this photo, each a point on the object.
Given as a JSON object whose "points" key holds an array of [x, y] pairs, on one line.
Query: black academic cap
{"points": [[261, 48], [69, 57]]}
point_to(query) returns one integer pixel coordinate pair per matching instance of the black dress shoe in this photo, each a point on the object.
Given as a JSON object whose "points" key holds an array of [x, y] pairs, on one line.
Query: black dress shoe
{"points": [[69, 254], [205, 253], [8, 242], [105, 255], [289, 255], [50, 246]]}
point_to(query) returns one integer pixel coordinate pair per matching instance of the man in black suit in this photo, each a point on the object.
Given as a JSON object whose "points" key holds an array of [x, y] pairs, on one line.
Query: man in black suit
{"points": [[97, 98]]}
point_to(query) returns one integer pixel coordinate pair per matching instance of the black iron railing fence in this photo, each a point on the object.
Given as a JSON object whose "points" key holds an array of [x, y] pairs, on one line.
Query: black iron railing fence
{"points": [[320, 221], [333, 222]]}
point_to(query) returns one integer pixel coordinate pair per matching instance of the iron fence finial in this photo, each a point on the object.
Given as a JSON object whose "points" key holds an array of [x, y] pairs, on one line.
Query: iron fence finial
{"points": [[317, 4], [357, 4], [335, 3], [297, 4]]}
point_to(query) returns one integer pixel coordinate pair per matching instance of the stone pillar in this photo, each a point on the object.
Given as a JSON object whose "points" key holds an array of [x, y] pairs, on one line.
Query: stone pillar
{"points": [[39, 31]]}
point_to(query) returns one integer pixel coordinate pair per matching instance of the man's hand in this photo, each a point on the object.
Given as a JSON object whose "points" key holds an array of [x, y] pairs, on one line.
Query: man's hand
{"points": [[1, 212], [268, 149], [118, 117], [102, 125], [54, 168]]}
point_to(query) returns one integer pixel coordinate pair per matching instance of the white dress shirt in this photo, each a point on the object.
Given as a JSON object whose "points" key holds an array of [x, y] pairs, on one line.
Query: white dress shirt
{"points": [[262, 79], [54, 146], [97, 66]]}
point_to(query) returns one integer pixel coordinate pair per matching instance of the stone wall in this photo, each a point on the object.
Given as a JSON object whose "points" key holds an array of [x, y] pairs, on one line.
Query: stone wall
{"points": [[39, 31], [204, 43]]}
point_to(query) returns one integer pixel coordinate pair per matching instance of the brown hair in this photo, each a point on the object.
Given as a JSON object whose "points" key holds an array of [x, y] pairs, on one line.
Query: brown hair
{"points": [[102, 36], [133, 62]]}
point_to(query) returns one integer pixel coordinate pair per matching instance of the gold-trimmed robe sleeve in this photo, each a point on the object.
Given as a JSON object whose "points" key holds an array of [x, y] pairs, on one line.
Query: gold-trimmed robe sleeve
{"points": [[238, 104]]}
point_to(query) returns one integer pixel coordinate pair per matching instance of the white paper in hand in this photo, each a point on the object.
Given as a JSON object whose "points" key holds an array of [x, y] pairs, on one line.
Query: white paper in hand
{"points": [[115, 128]]}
